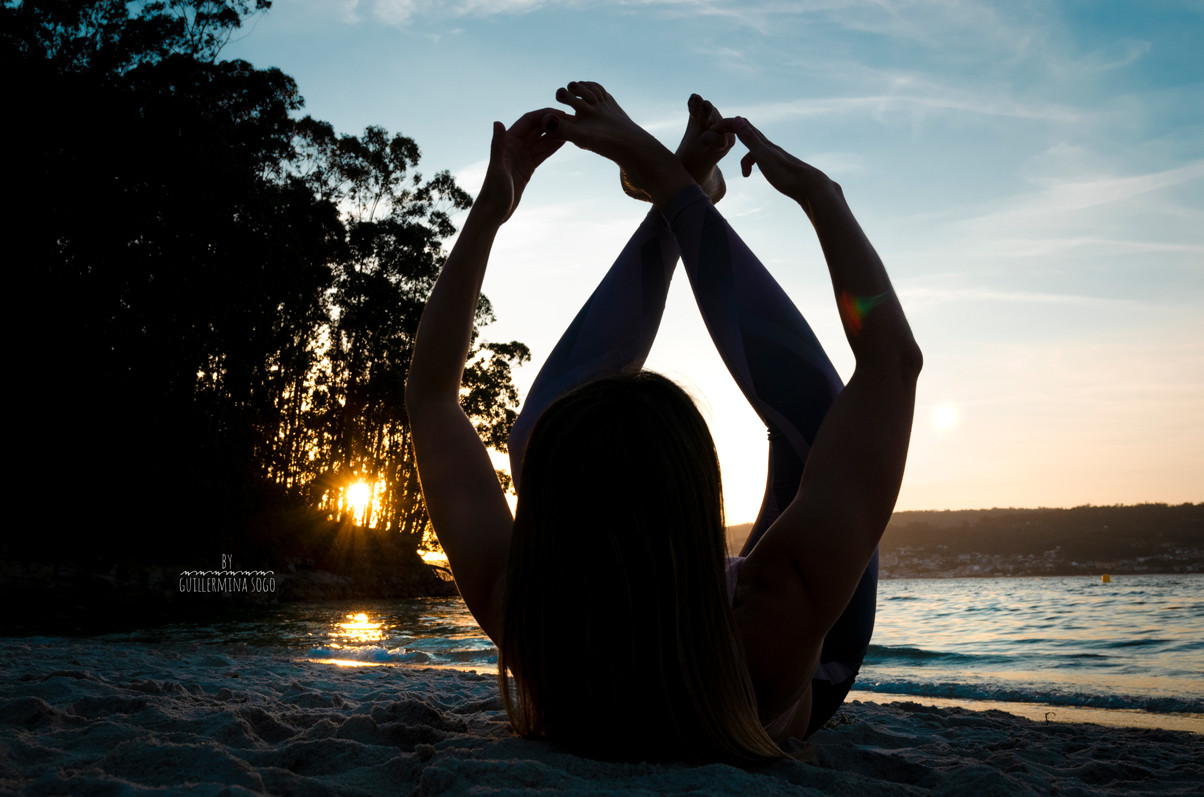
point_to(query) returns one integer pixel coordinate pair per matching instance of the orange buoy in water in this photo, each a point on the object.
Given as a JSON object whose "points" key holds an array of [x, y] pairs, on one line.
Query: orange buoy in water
{"points": [[1107, 579]]}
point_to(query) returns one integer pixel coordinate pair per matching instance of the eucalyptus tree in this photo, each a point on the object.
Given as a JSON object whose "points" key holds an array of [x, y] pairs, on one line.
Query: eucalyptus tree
{"points": [[217, 299]]}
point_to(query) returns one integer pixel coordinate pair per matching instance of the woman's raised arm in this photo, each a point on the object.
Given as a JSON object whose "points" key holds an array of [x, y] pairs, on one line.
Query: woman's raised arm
{"points": [[467, 507], [810, 561]]}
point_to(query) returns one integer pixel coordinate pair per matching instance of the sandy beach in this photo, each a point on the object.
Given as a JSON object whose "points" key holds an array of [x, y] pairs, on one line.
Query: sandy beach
{"points": [[93, 717]]}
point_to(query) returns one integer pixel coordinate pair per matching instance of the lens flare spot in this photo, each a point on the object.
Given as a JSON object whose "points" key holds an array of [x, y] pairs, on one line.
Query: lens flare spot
{"points": [[853, 309], [946, 416]]}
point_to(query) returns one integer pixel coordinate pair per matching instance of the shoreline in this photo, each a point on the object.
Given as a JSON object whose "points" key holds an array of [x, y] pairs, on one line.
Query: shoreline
{"points": [[1034, 712], [1045, 712]]}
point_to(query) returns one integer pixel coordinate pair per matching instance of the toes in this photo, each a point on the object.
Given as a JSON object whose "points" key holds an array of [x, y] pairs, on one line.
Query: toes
{"points": [[599, 92], [569, 97], [703, 112], [588, 92]]}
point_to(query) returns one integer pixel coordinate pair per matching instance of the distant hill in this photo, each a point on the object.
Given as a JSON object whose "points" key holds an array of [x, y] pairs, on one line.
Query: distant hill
{"points": [[1145, 538]]}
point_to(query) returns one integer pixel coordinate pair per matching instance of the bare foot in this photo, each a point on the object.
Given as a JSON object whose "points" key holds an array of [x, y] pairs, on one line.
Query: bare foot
{"points": [[700, 154], [601, 126]]}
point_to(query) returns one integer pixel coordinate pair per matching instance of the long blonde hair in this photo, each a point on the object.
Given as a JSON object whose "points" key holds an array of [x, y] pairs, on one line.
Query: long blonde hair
{"points": [[618, 639]]}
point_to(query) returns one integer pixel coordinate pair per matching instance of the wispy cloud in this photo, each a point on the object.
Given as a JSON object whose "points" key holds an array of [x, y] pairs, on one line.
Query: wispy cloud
{"points": [[907, 99], [350, 10], [922, 21], [1070, 195], [1033, 247], [1062, 207], [400, 12], [1143, 214], [921, 296]]}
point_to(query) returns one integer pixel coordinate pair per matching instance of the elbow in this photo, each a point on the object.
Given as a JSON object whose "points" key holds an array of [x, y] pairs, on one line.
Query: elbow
{"points": [[426, 392], [898, 358], [911, 360]]}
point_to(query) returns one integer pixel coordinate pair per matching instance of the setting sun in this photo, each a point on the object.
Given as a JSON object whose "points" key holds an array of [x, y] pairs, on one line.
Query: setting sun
{"points": [[359, 497]]}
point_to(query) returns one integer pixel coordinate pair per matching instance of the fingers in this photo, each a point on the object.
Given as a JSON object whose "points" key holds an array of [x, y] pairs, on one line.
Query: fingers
{"points": [[743, 129], [544, 148], [714, 139], [750, 136], [535, 129], [497, 147], [746, 164], [531, 124]]}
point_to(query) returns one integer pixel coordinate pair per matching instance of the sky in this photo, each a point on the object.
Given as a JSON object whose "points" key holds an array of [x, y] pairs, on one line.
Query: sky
{"points": [[1032, 174]]}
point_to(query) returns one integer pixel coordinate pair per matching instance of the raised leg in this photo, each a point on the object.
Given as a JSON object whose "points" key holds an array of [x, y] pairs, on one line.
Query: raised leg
{"points": [[784, 373], [761, 336], [612, 333], [765, 342]]}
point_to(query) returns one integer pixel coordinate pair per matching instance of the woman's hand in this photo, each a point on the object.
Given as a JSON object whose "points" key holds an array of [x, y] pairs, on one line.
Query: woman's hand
{"points": [[513, 157], [800, 181]]}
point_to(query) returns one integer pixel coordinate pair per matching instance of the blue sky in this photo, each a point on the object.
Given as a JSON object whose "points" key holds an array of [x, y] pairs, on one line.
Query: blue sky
{"points": [[1031, 173]]}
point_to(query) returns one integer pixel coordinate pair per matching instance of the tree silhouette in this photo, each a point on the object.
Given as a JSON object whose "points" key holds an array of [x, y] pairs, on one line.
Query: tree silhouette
{"points": [[219, 298]]}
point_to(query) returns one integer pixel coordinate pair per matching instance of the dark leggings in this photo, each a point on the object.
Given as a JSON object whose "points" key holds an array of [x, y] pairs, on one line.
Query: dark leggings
{"points": [[767, 347]]}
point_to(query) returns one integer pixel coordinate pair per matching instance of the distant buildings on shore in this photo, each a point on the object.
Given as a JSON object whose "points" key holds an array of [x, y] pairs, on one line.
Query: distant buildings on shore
{"points": [[906, 562], [1085, 540]]}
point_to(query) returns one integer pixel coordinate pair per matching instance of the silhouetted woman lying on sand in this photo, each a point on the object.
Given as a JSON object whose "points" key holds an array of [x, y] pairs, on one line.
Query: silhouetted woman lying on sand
{"points": [[624, 631]]}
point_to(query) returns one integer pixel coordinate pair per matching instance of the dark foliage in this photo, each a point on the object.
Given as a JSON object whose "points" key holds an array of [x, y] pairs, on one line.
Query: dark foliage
{"points": [[216, 301]]}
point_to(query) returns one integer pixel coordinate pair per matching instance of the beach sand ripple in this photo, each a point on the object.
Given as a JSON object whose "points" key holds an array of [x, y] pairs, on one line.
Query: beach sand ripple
{"points": [[92, 717]]}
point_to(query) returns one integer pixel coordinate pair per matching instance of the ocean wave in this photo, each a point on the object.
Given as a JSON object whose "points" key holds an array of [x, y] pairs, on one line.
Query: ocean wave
{"points": [[988, 691], [879, 654], [378, 655]]}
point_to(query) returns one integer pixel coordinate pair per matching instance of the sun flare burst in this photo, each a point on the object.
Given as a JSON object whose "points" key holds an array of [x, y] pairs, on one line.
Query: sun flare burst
{"points": [[359, 498]]}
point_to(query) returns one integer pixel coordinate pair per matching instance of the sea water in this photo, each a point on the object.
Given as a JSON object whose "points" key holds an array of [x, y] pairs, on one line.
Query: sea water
{"points": [[1134, 643]]}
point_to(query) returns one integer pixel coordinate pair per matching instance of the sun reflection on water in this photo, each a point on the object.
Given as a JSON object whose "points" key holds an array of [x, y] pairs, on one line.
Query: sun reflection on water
{"points": [[358, 630], [419, 632]]}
